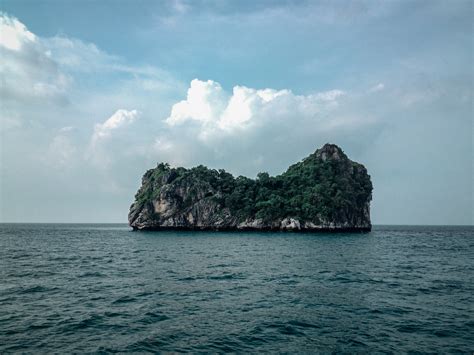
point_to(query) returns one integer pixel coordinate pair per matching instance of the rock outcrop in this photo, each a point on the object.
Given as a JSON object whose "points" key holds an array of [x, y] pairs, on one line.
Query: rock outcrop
{"points": [[324, 192]]}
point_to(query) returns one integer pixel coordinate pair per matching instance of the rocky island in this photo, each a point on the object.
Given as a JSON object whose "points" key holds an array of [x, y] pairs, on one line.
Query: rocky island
{"points": [[324, 192]]}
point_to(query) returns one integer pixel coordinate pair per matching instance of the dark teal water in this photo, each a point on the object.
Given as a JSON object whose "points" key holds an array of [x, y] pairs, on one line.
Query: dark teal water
{"points": [[102, 288]]}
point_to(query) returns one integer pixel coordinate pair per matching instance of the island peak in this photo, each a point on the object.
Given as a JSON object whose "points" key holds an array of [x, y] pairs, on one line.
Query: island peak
{"points": [[330, 151]]}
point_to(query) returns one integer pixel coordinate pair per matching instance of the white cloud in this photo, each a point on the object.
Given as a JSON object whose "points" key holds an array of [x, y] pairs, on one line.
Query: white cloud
{"points": [[119, 119], [328, 96], [66, 129], [110, 140], [43, 75], [376, 88], [78, 56], [217, 112], [204, 102], [75, 54], [30, 77], [13, 34]]}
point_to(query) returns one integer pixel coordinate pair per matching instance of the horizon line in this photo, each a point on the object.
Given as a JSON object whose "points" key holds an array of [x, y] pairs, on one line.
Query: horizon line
{"points": [[373, 225]]}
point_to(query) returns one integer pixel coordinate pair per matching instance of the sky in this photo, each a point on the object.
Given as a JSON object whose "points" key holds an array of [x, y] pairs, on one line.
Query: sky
{"points": [[94, 93]]}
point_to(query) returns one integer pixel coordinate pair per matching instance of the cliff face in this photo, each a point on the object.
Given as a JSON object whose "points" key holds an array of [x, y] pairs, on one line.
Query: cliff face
{"points": [[324, 192]]}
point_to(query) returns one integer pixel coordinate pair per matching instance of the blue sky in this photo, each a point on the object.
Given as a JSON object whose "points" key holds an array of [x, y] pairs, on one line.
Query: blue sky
{"points": [[94, 93]]}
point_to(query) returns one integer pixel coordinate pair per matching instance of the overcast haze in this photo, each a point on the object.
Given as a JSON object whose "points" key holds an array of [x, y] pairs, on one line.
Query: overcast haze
{"points": [[93, 93]]}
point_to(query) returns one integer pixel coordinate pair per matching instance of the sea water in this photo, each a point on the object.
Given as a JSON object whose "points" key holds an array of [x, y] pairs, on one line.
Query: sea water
{"points": [[103, 288]]}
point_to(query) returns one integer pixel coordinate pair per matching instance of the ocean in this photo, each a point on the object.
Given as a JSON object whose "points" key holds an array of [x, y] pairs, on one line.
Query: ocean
{"points": [[75, 288]]}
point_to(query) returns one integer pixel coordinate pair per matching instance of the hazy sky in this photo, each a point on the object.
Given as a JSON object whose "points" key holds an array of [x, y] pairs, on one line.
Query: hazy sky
{"points": [[93, 93]]}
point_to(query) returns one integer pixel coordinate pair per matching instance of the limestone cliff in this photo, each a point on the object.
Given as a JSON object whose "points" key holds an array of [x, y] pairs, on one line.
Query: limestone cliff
{"points": [[324, 192]]}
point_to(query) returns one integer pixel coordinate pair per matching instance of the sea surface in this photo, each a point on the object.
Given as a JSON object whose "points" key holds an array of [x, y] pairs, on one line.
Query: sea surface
{"points": [[74, 288]]}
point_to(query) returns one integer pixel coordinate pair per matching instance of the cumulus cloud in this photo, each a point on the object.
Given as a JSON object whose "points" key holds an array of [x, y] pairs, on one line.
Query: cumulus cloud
{"points": [[119, 119], [28, 72], [13, 34], [217, 112], [101, 148], [204, 101]]}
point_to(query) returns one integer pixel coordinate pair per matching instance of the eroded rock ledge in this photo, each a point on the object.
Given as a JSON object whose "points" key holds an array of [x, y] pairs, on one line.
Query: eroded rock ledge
{"points": [[324, 192]]}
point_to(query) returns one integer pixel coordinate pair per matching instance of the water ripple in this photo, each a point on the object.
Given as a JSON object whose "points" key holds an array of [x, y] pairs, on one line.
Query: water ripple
{"points": [[102, 289]]}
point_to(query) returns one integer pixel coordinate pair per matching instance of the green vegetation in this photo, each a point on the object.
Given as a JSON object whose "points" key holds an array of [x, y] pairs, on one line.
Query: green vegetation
{"points": [[331, 189]]}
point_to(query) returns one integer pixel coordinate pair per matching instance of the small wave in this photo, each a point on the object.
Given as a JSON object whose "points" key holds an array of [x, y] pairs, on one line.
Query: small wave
{"points": [[289, 282], [343, 279], [21, 256], [147, 345], [253, 340], [157, 343], [443, 333], [112, 314], [409, 328], [395, 311], [62, 259], [226, 345], [394, 284], [222, 265], [450, 285], [355, 342], [145, 293], [39, 326], [91, 321], [470, 324], [88, 322], [153, 317], [188, 278], [226, 277], [91, 274], [303, 324], [293, 328], [286, 329], [376, 311], [124, 299], [35, 289]]}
